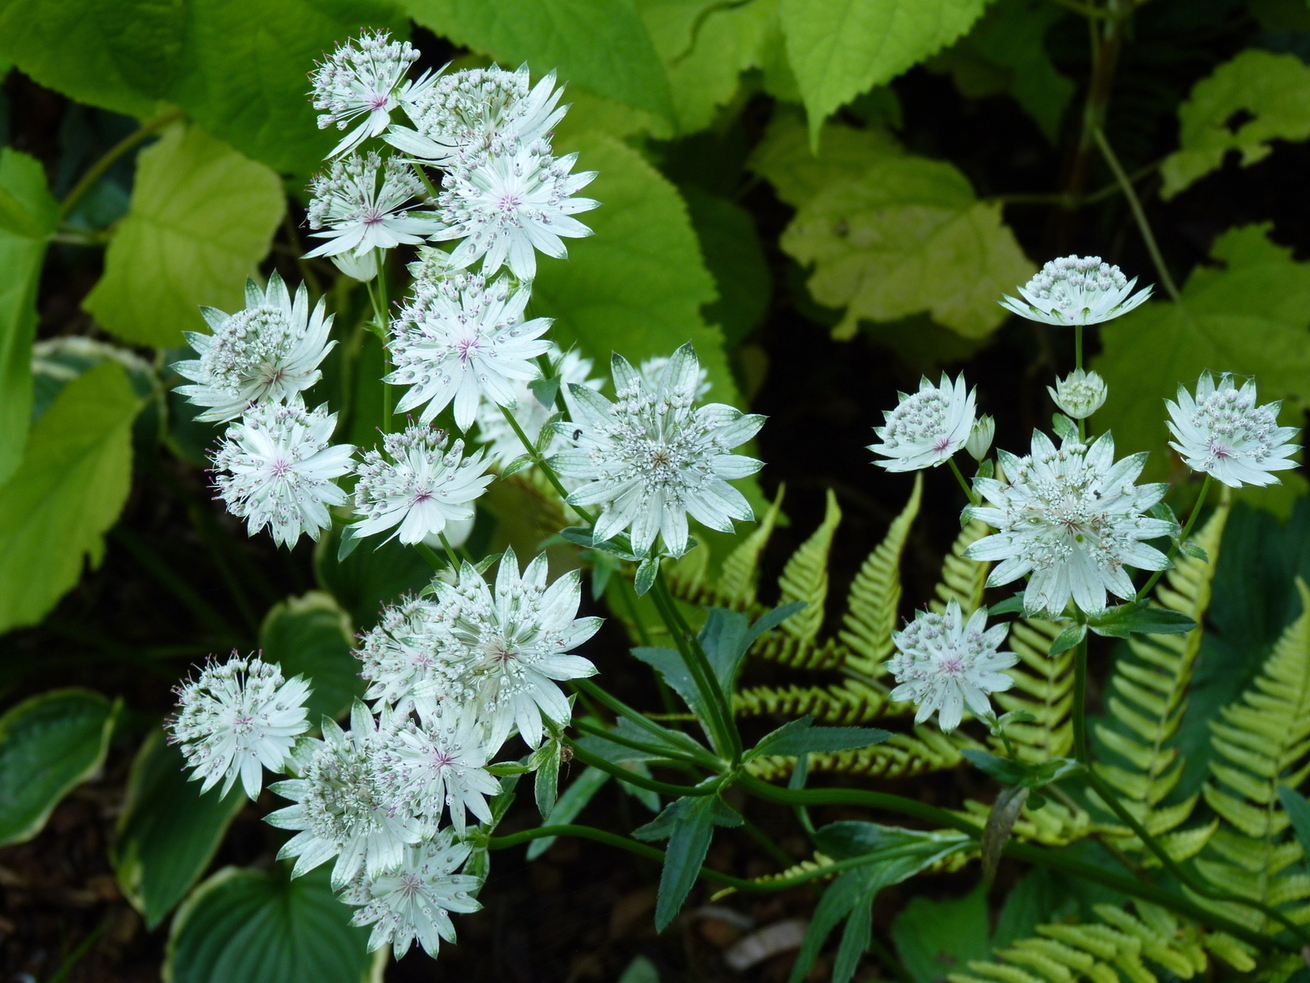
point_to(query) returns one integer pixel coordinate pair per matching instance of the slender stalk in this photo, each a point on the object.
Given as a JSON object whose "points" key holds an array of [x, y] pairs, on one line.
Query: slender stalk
{"points": [[381, 315], [1187, 531], [1077, 346], [97, 170], [427, 181], [451, 555], [587, 687], [546, 469], [1079, 716], [632, 778], [427, 552], [1138, 214], [659, 750], [959, 476]]}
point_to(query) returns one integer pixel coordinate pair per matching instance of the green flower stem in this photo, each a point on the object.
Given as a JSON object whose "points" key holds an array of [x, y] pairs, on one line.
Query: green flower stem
{"points": [[722, 726], [97, 170], [590, 689], [543, 363], [1187, 531], [1166, 279], [426, 551], [427, 181], [1078, 354], [450, 551], [546, 469], [959, 476], [1102, 789], [1079, 716], [632, 778], [381, 317], [662, 751]]}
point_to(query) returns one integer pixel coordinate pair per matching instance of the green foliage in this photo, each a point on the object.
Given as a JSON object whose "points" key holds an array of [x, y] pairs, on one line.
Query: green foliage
{"points": [[49, 744], [67, 492], [933, 937], [27, 217], [263, 927], [371, 576], [802, 737], [202, 217], [840, 48], [167, 832], [924, 750], [797, 173], [1272, 89], [598, 45], [1248, 314], [805, 579], [1043, 688], [963, 581], [311, 636], [689, 825], [732, 252]]}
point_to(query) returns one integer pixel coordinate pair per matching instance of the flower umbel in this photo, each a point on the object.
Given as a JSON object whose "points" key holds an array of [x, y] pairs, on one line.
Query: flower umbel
{"points": [[1076, 290], [652, 457], [944, 663], [363, 77], [1223, 433], [238, 718], [362, 214], [1073, 520], [408, 646], [1079, 394], [280, 469], [927, 427], [269, 351]]}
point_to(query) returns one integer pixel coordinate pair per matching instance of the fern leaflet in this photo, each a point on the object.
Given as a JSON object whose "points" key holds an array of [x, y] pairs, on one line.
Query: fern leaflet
{"points": [[1043, 687]]}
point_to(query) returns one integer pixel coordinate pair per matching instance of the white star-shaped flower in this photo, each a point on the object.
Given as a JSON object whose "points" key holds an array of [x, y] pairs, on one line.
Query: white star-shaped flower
{"points": [[360, 201], [927, 427], [1076, 290], [1223, 433]]}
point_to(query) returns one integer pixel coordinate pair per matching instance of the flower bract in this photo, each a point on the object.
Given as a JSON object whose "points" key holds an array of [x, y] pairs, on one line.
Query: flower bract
{"points": [[1076, 290], [1224, 434], [927, 427]]}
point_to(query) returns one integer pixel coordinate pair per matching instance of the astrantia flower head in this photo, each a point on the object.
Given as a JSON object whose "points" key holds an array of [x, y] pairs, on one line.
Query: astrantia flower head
{"points": [[343, 808], [503, 444], [412, 901], [1223, 433], [423, 482], [269, 351], [277, 469], [441, 766], [361, 202], [505, 208], [944, 663], [238, 718], [1073, 520], [1076, 290], [364, 77], [652, 457], [408, 646], [1079, 394], [927, 427], [461, 339], [514, 640], [478, 112]]}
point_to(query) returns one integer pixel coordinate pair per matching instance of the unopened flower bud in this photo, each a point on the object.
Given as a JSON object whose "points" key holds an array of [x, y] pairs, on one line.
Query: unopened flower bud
{"points": [[1079, 394], [980, 437]]}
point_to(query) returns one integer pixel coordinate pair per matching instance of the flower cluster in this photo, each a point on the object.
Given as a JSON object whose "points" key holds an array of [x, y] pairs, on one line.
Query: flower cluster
{"points": [[928, 427], [1222, 432], [1076, 290]]}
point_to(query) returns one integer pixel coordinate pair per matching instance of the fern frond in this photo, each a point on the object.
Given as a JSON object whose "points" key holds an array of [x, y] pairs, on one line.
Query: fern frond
{"points": [[851, 701], [740, 575], [805, 578], [963, 580], [1054, 824], [1148, 698], [875, 595], [1043, 687], [901, 755], [819, 862], [1261, 743]]}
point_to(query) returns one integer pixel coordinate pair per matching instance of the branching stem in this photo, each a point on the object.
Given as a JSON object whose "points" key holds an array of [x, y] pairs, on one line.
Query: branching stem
{"points": [[1139, 215], [546, 469], [1182, 538]]}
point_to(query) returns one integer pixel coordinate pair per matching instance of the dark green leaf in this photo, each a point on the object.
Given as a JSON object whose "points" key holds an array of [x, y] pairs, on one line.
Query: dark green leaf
{"points": [[1011, 605], [802, 737], [854, 940], [1139, 617], [1298, 810], [1004, 770], [732, 252], [1067, 639], [647, 571], [312, 636], [934, 938], [850, 892], [1000, 821], [546, 760], [689, 841], [545, 390], [370, 577], [1038, 898]]}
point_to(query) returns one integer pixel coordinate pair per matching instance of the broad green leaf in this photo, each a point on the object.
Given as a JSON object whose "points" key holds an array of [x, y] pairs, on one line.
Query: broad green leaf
{"points": [[907, 236], [115, 54], [598, 45], [573, 800], [49, 744], [58, 361], [371, 576], [260, 927], [32, 210], [840, 48], [202, 217], [1248, 102], [546, 761], [167, 832], [1140, 617], [802, 737], [1247, 314], [1038, 898], [797, 173], [311, 636], [69, 489], [934, 938], [733, 253]]}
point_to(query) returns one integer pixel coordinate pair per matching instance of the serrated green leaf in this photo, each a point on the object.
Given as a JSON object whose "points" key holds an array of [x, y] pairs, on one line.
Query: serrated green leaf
{"points": [[840, 48], [168, 831], [1247, 314], [598, 45], [801, 737], [261, 927], [907, 236], [847, 896], [202, 217], [571, 802], [647, 570], [1064, 428], [546, 761], [797, 173], [21, 256], [689, 842], [69, 489], [1000, 821], [1067, 639], [49, 744], [1272, 92], [311, 636], [520, 463], [935, 937], [1142, 618]]}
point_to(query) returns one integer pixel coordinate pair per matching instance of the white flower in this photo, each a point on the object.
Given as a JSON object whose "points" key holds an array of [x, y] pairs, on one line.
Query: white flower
{"points": [[478, 112], [363, 215], [460, 339], [945, 663], [1076, 290], [343, 809], [280, 469], [503, 207], [426, 483], [441, 766], [1079, 394], [1073, 520], [980, 437], [927, 427], [503, 444], [364, 77], [407, 647], [411, 902], [238, 718], [1223, 433], [651, 457], [269, 351], [513, 641], [652, 370]]}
